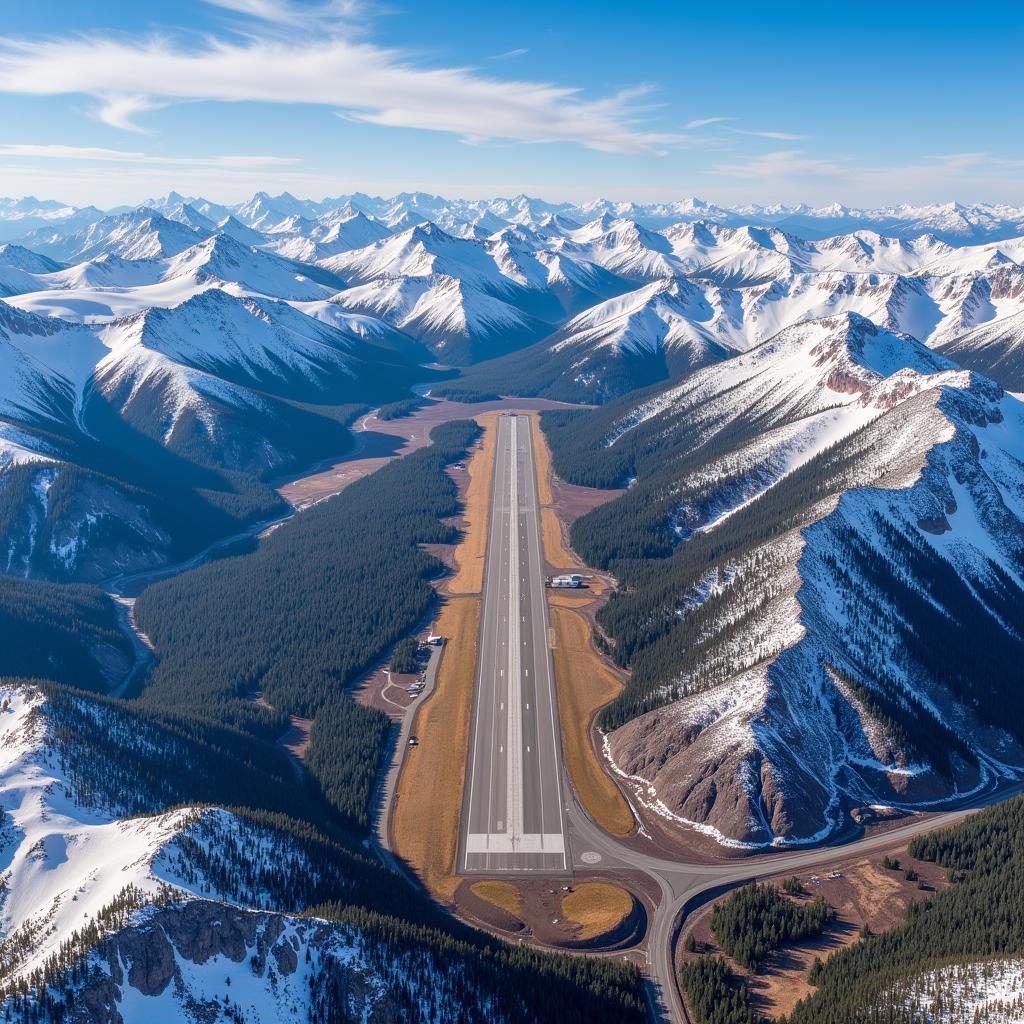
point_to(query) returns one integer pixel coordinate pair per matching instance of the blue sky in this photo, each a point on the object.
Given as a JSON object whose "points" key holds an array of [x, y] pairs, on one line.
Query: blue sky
{"points": [[110, 102]]}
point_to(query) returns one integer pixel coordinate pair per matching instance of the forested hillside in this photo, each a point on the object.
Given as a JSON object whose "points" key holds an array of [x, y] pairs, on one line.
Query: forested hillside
{"points": [[76, 765], [819, 559], [67, 633], [312, 608], [954, 960], [979, 919]]}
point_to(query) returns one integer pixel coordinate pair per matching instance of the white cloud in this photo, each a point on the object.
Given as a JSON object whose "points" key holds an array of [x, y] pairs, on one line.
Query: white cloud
{"points": [[369, 83], [509, 54], [285, 12], [702, 122], [789, 163], [778, 136], [794, 176], [123, 156], [119, 110]]}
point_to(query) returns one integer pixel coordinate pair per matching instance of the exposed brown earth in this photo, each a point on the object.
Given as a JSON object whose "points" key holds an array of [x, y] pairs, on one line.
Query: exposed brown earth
{"points": [[428, 802], [604, 916], [471, 552], [377, 442], [863, 893], [295, 739]]}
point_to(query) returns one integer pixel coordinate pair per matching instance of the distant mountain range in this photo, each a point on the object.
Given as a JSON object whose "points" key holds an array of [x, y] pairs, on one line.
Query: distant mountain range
{"points": [[216, 332]]}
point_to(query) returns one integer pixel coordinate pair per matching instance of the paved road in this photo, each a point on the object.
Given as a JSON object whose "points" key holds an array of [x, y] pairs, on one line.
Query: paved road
{"points": [[389, 781], [513, 815]]}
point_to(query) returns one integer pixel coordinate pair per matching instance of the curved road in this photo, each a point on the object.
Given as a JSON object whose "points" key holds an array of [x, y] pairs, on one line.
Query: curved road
{"points": [[682, 883]]}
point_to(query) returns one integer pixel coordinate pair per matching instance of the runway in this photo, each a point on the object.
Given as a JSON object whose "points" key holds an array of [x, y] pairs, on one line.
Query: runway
{"points": [[513, 815]]}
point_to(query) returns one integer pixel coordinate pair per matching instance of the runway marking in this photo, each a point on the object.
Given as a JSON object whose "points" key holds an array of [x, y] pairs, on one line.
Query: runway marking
{"points": [[501, 842], [514, 777]]}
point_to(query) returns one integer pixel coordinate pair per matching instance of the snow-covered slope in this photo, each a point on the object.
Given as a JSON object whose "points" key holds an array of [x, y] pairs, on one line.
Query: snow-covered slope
{"points": [[456, 320], [138, 234], [995, 349], [107, 285], [68, 859], [214, 380], [111, 912], [844, 510]]}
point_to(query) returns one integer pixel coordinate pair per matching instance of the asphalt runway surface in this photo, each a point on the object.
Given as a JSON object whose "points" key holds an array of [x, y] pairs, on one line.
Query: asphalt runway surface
{"points": [[513, 814]]}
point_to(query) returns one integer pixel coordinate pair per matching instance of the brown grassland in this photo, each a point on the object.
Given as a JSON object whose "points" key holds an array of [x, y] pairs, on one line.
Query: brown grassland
{"points": [[428, 803], [597, 907], [472, 550], [583, 681], [501, 894], [584, 686]]}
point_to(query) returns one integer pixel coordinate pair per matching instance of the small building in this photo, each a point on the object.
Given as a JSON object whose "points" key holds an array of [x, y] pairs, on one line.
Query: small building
{"points": [[568, 580]]}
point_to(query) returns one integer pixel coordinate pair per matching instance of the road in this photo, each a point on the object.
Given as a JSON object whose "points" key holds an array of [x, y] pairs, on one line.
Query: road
{"points": [[389, 781], [682, 885], [513, 815]]}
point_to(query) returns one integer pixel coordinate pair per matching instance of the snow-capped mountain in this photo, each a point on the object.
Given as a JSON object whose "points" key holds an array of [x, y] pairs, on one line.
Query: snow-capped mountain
{"points": [[118, 908], [995, 349], [213, 381], [829, 529], [107, 285], [735, 288], [137, 234], [457, 321]]}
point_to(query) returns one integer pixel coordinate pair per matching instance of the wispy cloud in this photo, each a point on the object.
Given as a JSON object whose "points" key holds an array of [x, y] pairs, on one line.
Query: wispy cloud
{"points": [[778, 136], [365, 81], [703, 122], [125, 156], [790, 163], [286, 12], [509, 54]]}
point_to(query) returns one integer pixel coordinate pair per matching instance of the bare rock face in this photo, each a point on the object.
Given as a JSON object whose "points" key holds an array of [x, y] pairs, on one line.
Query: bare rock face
{"points": [[187, 954], [199, 961]]}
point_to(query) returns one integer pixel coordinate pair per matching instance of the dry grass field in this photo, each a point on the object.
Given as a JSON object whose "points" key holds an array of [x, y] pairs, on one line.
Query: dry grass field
{"points": [[428, 803], [584, 683], [471, 553], [597, 908], [584, 686], [501, 894]]}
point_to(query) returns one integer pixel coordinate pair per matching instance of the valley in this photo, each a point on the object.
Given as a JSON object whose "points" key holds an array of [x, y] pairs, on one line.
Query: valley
{"points": [[244, 453]]}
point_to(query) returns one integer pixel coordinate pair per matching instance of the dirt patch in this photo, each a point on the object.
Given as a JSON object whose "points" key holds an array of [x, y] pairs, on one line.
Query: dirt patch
{"points": [[597, 908], [584, 686], [296, 739], [502, 894], [471, 553], [377, 442], [860, 891], [571, 501], [428, 801], [583, 680]]}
